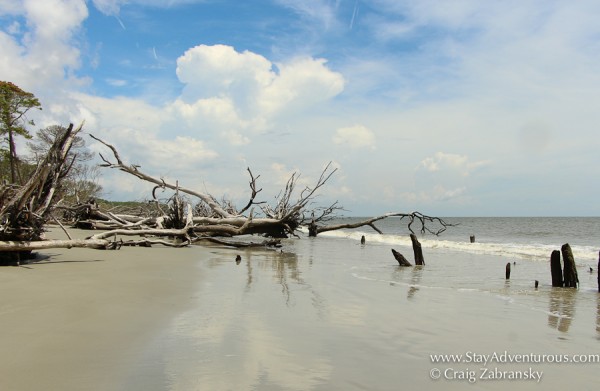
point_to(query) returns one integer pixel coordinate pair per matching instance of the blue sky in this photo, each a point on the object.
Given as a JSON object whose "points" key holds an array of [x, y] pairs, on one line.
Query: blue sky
{"points": [[447, 107]]}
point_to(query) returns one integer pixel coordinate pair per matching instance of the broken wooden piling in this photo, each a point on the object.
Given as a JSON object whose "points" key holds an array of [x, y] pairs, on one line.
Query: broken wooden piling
{"points": [[508, 271], [570, 277], [417, 250], [556, 269], [400, 258]]}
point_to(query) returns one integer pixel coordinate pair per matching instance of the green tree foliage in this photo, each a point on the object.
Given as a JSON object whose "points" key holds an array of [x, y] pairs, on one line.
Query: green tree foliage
{"points": [[14, 105]]}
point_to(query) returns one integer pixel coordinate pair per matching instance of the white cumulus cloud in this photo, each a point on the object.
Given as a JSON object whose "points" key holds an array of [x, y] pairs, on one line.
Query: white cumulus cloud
{"points": [[239, 94], [357, 136], [459, 164]]}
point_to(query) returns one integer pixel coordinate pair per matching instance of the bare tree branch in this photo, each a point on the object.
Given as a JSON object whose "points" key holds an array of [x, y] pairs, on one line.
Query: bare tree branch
{"points": [[133, 170], [423, 219], [254, 192]]}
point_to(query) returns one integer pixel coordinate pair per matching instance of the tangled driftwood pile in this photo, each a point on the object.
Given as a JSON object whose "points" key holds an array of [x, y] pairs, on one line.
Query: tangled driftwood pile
{"points": [[25, 210]]}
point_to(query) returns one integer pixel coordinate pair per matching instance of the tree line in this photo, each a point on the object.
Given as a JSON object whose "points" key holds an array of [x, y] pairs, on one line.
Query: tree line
{"points": [[15, 105]]}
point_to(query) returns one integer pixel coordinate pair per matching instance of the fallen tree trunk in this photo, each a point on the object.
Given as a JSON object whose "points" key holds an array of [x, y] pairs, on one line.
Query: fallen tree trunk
{"points": [[101, 240], [240, 244], [314, 229], [134, 170], [47, 244], [24, 210]]}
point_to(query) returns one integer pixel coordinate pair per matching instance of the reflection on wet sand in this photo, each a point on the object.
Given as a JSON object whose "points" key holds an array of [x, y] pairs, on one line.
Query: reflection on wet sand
{"points": [[416, 273], [246, 338], [561, 308], [331, 317], [283, 266]]}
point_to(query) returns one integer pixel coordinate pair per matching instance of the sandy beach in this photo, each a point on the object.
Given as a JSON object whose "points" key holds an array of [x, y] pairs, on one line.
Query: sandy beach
{"points": [[77, 319], [324, 314]]}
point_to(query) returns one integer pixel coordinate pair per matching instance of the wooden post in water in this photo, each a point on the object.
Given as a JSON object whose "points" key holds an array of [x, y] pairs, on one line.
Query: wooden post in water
{"points": [[472, 238], [570, 277], [417, 250], [536, 284], [312, 229], [508, 271], [400, 258], [556, 269], [362, 239]]}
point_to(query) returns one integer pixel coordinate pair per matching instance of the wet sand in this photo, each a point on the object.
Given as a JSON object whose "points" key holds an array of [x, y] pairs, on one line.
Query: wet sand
{"points": [[79, 319], [322, 315]]}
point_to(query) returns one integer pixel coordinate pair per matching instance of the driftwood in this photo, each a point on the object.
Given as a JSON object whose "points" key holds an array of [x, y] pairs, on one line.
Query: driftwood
{"points": [[417, 250], [570, 277], [280, 220], [271, 243], [102, 240], [175, 223], [314, 229], [24, 210], [134, 170], [400, 258], [46, 244], [556, 269]]}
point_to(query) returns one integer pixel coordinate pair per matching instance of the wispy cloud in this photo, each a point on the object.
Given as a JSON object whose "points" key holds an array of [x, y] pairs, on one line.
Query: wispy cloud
{"points": [[354, 14], [113, 7], [322, 11], [120, 22]]}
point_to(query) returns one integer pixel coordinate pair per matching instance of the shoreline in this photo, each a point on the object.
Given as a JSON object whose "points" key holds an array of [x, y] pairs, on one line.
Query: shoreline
{"points": [[323, 314], [78, 317]]}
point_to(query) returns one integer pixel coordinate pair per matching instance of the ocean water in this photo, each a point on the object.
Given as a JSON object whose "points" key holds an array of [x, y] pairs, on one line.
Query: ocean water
{"points": [[528, 238], [329, 313]]}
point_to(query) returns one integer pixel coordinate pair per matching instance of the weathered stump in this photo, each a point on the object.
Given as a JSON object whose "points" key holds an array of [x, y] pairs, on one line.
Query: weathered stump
{"points": [[312, 230], [417, 250], [472, 238], [507, 273], [556, 269], [362, 239], [570, 277], [400, 258], [537, 283]]}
